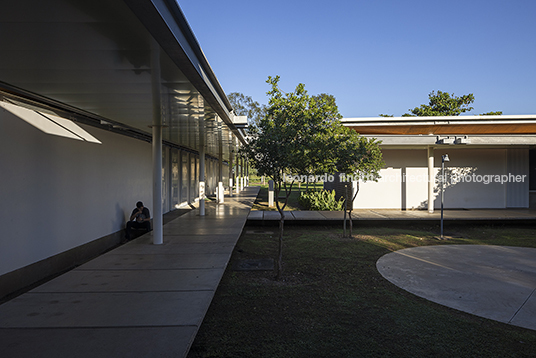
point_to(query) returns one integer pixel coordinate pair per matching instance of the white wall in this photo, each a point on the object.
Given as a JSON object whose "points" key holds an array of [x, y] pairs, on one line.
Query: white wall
{"points": [[392, 192], [59, 193]]}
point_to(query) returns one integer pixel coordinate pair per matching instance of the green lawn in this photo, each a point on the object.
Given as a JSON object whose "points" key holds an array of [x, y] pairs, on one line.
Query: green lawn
{"points": [[332, 302]]}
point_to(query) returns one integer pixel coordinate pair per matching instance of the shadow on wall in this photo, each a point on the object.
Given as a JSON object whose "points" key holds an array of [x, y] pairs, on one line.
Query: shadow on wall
{"points": [[451, 179]]}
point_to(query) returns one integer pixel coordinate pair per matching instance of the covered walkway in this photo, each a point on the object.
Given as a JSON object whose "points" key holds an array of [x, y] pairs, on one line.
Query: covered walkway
{"points": [[393, 215], [139, 300]]}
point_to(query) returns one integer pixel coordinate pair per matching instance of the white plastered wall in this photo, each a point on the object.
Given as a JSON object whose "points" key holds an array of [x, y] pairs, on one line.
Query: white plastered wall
{"points": [[391, 192], [59, 193]]}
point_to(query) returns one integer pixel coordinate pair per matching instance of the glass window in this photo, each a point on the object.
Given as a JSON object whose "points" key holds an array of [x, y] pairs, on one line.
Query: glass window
{"points": [[174, 177], [184, 177], [532, 169]]}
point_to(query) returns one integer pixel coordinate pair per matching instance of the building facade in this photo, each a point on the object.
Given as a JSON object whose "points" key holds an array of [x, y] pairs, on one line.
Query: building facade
{"points": [[489, 163], [102, 104]]}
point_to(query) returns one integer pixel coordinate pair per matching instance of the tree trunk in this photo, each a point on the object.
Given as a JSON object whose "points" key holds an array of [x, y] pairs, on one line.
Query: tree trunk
{"points": [[279, 264], [352, 208]]}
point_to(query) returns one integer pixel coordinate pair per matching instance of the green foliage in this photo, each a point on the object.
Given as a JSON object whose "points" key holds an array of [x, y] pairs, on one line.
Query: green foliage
{"points": [[498, 113], [245, 106], [386, 115], [443, 104], [302, 135], [322, 200]]}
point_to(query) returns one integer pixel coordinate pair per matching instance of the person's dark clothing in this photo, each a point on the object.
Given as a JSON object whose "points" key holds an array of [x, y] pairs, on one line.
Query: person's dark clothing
{"points": [[138, 222]]}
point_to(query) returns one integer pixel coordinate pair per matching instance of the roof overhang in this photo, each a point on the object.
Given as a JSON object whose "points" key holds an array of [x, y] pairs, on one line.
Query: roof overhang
{"points": [[456, 132], [454, 125], [91, 60]]}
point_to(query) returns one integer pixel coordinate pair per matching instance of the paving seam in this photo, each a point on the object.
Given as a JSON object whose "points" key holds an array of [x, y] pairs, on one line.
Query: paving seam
{"points": [[523, 304], [428, 262]]}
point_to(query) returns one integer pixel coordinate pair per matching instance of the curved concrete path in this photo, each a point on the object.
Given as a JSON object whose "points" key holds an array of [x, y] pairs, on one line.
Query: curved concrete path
{"points": [[495, 282]]}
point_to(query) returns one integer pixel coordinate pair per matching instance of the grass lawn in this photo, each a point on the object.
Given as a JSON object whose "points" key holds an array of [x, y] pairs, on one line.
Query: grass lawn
{"points": [[332, 302]]}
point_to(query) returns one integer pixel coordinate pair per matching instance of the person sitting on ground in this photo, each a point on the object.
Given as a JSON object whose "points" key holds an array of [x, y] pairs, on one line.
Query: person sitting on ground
{"points": [[140, 219]]}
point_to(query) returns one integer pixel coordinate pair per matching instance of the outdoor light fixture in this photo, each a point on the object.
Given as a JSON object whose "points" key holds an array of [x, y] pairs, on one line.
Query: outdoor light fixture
{"points": [[444, 158]]}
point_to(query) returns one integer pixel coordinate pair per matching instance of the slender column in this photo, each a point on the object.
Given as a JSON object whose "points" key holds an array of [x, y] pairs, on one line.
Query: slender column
{"points": [[242, 173], [201, 120], [247, 175], [221, 194], [231, 171], [238, 179], [158, 222], [431, 180]]}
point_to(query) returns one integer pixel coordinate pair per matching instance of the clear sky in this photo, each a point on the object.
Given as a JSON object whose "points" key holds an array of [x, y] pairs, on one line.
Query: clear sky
{"points": [[374, 56]]}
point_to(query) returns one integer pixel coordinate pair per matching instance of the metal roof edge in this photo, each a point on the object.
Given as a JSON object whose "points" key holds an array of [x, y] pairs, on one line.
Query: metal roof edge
{"points": [[159, 17], [478, 119]]}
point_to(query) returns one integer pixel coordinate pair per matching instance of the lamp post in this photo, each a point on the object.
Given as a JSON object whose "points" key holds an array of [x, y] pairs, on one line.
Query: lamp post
{"points": [[444, 158]]}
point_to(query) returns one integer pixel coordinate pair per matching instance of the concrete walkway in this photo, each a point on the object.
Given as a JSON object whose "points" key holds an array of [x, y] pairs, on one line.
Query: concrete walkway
{"points": [[495, 282], [377, 215], [139, 300]]}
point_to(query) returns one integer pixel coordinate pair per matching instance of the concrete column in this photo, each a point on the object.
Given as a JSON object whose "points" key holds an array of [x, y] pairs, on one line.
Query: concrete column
{"points": [[201, 121], [242, 173], [271, 193], [231, 169], [158, 222], [238, 174], [220, 191], [247, 171], [431, 180]]}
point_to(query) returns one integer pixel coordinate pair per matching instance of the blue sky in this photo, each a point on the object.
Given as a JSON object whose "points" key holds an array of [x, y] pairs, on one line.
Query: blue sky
{"points": [[374, 56]]}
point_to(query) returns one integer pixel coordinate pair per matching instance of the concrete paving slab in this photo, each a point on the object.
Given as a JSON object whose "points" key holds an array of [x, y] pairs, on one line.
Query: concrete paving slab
{"points": [[332, 215], [274, 215], [117, 309], [121, 342], [255, 215], [307, 215], [175, 248], [369, 214], [203, 230], [495, 282], [133, 281], [115, 261], [177, 238]]}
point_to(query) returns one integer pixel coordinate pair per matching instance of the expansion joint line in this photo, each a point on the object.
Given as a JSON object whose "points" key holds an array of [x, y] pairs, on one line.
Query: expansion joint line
{"points": [[519, 309]]}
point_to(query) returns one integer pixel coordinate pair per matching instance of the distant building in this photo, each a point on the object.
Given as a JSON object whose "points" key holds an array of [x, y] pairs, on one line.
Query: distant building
{"points": [[492, 162]]}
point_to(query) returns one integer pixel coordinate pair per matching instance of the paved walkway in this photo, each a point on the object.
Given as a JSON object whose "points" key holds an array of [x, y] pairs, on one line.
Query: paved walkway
{"points": [[139, 300], [495, 282], [372, 215]]}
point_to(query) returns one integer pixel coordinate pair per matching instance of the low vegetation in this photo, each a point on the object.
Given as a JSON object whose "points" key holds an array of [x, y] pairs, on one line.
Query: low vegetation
{"points": [[332, 302], [321, 200]]}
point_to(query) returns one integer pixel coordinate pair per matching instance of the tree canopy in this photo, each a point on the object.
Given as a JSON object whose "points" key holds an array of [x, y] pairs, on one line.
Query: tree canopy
{"points": [[444, 104], [300, 135], [245, 106]]}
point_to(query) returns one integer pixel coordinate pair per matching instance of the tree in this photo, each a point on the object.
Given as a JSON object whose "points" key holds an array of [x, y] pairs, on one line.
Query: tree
{"points": [[498, 113], [245, 106], [359, 160], [443, 104], [298, 133]]}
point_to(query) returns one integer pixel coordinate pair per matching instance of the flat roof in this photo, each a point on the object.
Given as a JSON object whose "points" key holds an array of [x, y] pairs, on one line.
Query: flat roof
{"points": [[445, 125]]}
